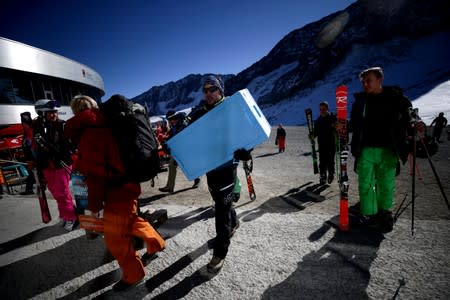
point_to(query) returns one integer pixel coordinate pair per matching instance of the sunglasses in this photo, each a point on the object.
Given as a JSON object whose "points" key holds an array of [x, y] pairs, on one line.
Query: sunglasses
{"points": [[211, 89]]}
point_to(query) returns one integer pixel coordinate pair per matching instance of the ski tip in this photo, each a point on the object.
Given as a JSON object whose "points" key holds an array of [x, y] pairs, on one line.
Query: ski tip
{"points": [[341, 89]]}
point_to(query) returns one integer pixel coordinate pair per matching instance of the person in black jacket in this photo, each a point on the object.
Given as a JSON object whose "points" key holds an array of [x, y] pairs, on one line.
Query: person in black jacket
{"points": [[379, 120], [324, 130], [222, 180], [439, 123]]}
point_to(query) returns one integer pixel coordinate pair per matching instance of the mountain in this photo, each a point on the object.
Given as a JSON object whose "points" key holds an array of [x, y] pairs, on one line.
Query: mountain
{"points": [[409, 39]]}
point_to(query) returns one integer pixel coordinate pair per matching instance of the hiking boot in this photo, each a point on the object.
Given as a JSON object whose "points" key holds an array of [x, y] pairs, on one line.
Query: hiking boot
{"points": [[166, 190], [330, 178], [215, 264], [121, 285], [148, 257], [196, 183], [386, 221], [61, 222], [69, 225]]}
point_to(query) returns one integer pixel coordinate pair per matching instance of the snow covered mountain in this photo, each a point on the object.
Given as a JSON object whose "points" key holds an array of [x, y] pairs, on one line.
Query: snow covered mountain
{"points": [[410, 39]]}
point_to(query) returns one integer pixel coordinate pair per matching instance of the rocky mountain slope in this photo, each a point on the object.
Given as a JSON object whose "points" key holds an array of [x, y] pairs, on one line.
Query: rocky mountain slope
{"points": [[329, 52]]}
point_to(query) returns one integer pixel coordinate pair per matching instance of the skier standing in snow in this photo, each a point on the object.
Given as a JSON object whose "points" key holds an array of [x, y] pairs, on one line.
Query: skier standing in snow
{"points": [[379, 121], [280, 139], [53, 158], [439, 123], [222, 180], [177, 123], [324, 130], [108, 189]]}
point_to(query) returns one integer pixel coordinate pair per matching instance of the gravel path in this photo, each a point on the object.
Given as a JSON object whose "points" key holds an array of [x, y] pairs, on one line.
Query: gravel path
{"points": [[287, 246]]}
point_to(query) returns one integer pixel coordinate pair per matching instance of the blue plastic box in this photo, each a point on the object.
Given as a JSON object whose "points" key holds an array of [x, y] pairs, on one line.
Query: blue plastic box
{"points": [[211, 140]]}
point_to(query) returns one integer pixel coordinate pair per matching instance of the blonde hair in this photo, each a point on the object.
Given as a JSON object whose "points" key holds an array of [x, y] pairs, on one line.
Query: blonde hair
{"points": [[82, 102]]}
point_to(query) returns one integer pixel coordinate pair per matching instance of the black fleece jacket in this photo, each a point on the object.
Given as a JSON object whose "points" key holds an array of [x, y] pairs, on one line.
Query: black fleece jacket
{"points": [[381, 120]]}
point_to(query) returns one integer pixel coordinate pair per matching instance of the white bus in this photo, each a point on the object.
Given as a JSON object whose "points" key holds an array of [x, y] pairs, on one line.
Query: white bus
{"points": [[28, 74]]}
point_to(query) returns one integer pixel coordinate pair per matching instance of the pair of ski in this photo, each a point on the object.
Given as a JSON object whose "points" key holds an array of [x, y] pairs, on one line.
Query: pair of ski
{"points": [[40, 181], [343, 153], [248, 168]]}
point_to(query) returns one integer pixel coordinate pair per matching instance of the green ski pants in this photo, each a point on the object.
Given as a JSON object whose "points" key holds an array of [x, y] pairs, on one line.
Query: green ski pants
{"points": [[376, 179]]}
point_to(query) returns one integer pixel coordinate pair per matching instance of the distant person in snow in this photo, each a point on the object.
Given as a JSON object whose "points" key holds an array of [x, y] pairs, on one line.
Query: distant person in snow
{"points": [[280, 139], [324, 130], [439, 123], [222, 180], [177, 123], [379, 121], [108, 189]]}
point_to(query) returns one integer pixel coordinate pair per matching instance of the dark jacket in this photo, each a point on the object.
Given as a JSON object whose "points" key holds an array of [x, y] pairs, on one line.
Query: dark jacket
{"points": [[439, 122], [381, 120], [324, 130], [280, 133], [50, 146]]}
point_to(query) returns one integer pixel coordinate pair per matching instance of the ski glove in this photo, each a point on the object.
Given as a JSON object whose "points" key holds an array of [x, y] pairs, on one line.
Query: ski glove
{"points": [[242, 154]]}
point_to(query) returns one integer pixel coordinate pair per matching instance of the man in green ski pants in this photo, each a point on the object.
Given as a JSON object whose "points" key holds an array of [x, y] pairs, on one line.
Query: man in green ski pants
{"points": [[379, 121]]}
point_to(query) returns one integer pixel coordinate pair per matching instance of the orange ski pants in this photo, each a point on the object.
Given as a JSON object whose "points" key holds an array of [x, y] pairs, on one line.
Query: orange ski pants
{"points": [[121, 223]]}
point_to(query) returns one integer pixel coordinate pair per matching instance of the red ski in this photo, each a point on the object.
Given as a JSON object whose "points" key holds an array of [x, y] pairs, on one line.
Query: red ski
{"points": [[341, 109], [40, 191]]}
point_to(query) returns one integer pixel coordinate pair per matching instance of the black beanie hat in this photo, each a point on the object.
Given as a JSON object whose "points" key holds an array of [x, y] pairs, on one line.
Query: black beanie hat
{"points": [[215, 81]]}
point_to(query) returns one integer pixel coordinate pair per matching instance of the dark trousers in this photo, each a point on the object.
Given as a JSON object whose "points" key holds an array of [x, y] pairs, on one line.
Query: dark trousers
{"points": [[326, 159], [221, 184], [437, 133], [226, 220]]}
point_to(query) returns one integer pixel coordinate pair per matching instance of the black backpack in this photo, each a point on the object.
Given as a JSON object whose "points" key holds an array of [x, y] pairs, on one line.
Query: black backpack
{"points": [[137, 143]]}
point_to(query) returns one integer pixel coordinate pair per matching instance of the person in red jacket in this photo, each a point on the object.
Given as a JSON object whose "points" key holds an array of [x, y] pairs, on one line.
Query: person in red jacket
{"points": [[99, 161], [280, 139]]}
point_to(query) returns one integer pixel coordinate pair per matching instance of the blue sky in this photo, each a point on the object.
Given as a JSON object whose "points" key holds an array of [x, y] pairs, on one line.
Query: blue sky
{"points": [[135, 45]]}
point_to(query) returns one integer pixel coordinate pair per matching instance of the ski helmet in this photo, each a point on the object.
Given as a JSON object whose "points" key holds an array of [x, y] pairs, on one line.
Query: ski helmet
{"points": [[43, 105]]}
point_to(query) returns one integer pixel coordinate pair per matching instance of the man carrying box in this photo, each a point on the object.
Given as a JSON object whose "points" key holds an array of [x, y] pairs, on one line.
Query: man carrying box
{"points": [[221, 180]]}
